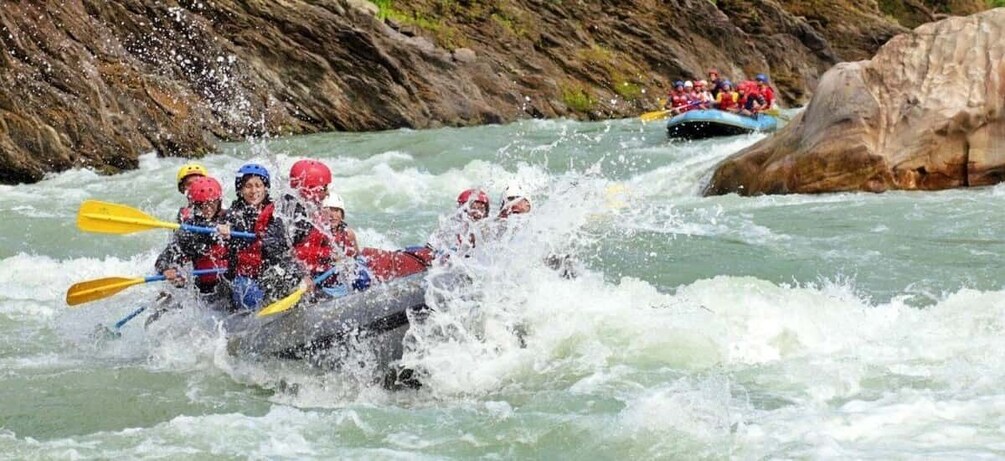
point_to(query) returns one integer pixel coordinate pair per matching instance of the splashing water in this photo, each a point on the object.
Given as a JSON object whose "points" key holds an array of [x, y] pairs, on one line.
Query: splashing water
{"points": [[677, 326]]}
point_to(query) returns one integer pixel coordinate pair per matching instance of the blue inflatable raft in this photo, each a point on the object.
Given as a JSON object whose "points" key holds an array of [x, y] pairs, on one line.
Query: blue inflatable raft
{"points": [[708, 123]]}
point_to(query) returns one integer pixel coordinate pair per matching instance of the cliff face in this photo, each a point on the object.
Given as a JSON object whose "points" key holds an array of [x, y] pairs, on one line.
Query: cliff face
{"points": [[95, 83], [926, 113]]}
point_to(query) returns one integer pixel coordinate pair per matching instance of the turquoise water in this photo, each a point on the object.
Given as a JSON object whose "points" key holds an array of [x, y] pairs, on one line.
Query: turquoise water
{"points": [[834, 326]]}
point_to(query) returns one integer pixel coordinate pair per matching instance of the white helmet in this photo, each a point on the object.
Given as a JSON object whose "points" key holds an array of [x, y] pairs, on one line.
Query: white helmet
{"points": [[514, 190], [333, 200], [688, 84]]}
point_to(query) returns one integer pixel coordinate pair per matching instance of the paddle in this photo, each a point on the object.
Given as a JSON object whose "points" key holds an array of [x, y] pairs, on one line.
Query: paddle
{"points": [[661, 114], [288, 302], [112, 218], [129, 317], [93, 290], [776, 112]]}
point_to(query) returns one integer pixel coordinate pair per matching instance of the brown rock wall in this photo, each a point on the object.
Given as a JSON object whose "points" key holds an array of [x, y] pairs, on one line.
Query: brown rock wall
{"points": [[89, 83]]}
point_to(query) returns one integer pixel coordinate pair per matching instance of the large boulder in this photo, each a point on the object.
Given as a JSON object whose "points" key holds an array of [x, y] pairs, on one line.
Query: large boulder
{"points": [[924, 113]]}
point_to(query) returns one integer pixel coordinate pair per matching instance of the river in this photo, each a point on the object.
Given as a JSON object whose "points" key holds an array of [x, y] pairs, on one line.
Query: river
{"points": [[850, 326]]}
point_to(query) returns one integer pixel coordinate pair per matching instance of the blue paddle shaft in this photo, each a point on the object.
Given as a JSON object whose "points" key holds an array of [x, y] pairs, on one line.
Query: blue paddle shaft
{"points": [[212, 230], [129, 317], [324, 276], [158, 278]]}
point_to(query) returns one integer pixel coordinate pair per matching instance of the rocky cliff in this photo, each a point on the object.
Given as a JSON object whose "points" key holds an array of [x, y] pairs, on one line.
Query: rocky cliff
{"points": [[96, 83], [927, 112]]}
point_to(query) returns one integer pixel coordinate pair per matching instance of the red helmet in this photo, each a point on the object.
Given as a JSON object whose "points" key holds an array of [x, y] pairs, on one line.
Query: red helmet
{"points": [[309, 174], [204, 189], [472, 195]]}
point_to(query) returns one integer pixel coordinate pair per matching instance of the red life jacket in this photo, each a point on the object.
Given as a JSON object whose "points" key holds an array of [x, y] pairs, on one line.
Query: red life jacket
{"points": [[184, 214], [769, 96], [216, 258], [313, 250], [341, 237], [679, 99], [249, 258]]}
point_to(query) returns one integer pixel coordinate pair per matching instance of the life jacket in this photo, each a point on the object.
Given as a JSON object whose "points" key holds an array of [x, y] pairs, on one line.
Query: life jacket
{"points": [[215, 258], [342, 238], [769, 96], [726, 100], [386, 265], [678, 99], [313, 250], [249, 258]]}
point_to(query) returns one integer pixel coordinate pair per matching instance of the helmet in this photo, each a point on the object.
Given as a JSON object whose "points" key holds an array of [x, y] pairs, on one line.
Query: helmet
{"points": [[204, 189], [190, 169], [514, 190], [252, 169], [306, 174], [472, 195], [701, 83], [334, 201], [678, 83], [761, 78], [688, 84], [726, 83]]}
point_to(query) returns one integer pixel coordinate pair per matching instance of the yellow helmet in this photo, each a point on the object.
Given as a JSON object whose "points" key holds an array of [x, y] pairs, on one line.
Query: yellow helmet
{"points": [[190, 169]]}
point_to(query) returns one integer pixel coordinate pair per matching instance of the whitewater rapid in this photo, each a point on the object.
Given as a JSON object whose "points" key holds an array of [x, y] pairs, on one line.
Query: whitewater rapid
{"points": [[851, 326]]}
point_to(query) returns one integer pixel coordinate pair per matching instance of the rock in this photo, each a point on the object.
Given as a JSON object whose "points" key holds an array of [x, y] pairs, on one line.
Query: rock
{"points": [[927, 112], [94, 84], [465, 55], [365, 6]]}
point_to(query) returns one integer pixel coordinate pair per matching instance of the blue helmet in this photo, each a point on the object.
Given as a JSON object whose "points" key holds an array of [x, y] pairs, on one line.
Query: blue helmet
{"points": [[761, 78], [251, 169], [678, 83]]}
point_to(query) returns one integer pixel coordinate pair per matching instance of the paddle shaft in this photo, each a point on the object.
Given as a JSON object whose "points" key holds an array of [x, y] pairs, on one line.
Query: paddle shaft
{"points": [[211, 230], [148, 223], [158, 278], [129, 317]]}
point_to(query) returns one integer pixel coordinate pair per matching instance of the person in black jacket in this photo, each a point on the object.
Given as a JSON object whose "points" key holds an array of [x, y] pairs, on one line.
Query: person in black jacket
{"points": [[202, 251], [261, 270]]}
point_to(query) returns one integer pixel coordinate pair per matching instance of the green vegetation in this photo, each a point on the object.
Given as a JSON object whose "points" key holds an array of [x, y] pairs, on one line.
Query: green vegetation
{"points": [[628, 91], [996, 3], [617, 69], [444, 35], [578, 98]]}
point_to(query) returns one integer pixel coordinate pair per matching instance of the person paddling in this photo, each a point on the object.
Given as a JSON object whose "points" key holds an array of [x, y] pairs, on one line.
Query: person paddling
{"points": [[203, 251], [334, 243], [260, 270], [310, 180], [459, 234]]}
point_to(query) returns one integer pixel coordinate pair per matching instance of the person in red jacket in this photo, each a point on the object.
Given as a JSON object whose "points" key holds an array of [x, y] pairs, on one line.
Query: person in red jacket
{"points": [[677, 99], [460, 233], [766, 91], [202, 251], [310, 180]]}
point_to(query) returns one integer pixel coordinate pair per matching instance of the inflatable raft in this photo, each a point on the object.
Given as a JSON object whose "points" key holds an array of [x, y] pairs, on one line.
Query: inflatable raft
{"points": [[708, 123]]}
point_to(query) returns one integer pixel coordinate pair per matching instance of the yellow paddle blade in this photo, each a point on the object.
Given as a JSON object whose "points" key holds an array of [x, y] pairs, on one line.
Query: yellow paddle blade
{"points": [[284, 304], [776, 112], [93, 290], [112, 218], [657, 115]]}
